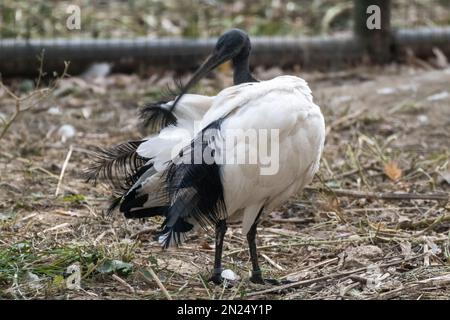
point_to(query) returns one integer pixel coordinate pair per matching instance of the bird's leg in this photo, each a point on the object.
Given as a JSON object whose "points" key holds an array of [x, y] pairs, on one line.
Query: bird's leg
{"points": [[221, 229], [256, 271]]}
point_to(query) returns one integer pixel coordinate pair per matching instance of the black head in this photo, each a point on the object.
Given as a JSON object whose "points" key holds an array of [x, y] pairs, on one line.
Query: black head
{"points": [[232, 45]]}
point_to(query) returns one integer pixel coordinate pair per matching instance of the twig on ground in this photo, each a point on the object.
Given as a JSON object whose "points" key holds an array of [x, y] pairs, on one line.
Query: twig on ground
{"points": [[433, 222], [350, 172], [442, 280], [273, 263], [335, 275], [383, 195], [141, 232], [124, 283], [347, 118], [303, 243], [311, 267], [292, 220], [157, 280], [63, 170]]}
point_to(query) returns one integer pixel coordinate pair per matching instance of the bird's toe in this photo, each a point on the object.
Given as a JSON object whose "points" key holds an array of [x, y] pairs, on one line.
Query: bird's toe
{"points": [[216, 279], [274, 282]]}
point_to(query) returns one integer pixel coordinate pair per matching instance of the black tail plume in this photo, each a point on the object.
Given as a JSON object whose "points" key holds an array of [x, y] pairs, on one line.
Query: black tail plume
{"points": [[117, 165], [157, 116]]}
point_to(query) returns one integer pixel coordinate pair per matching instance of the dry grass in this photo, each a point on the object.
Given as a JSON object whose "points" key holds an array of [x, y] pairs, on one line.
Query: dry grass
{"points": [[333, 244]]}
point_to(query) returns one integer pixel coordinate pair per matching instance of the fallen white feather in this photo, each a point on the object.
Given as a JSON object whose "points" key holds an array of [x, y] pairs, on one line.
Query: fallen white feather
{"points": [[439, 96], [423, 119], [342, 99], [33, 281], [229, 275], [408, 87], [66, 132], [386, 91], [86, 112], [54, 111], [97, 70]]}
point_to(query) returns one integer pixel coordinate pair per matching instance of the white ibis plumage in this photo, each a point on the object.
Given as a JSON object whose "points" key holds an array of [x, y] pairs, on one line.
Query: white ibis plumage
{"points": [[184, 173]]}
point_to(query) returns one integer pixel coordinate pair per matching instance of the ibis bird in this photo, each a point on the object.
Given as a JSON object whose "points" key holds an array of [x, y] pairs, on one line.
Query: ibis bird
{"points": [[219, 171]]}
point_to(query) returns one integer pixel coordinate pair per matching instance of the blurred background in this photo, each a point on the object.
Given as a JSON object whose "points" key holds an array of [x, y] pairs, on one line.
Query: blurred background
{"points": [[137, 35], [203, 18]]}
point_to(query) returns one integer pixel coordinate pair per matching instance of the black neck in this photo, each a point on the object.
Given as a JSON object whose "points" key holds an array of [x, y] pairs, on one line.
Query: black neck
{"points": [[241, 70]]}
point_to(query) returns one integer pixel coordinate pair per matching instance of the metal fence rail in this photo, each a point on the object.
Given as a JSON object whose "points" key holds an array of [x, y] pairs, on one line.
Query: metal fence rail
{"points": [[18, 57]]}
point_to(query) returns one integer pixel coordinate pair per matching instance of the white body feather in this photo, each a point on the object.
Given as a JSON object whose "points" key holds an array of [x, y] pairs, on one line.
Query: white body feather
{"points": [[284, 103], [160, 147]]}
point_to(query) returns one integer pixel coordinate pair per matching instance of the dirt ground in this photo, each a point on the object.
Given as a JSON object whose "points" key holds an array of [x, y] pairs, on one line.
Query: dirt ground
{"points": [[356, 233]]}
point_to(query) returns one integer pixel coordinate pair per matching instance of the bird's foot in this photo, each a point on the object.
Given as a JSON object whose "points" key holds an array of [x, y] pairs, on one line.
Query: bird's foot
{"points": [[258, 279], [216, 279]]}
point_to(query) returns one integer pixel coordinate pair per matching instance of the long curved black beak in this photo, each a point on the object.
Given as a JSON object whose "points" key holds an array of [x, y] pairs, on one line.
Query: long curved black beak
{"points": [[210, 63]]}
